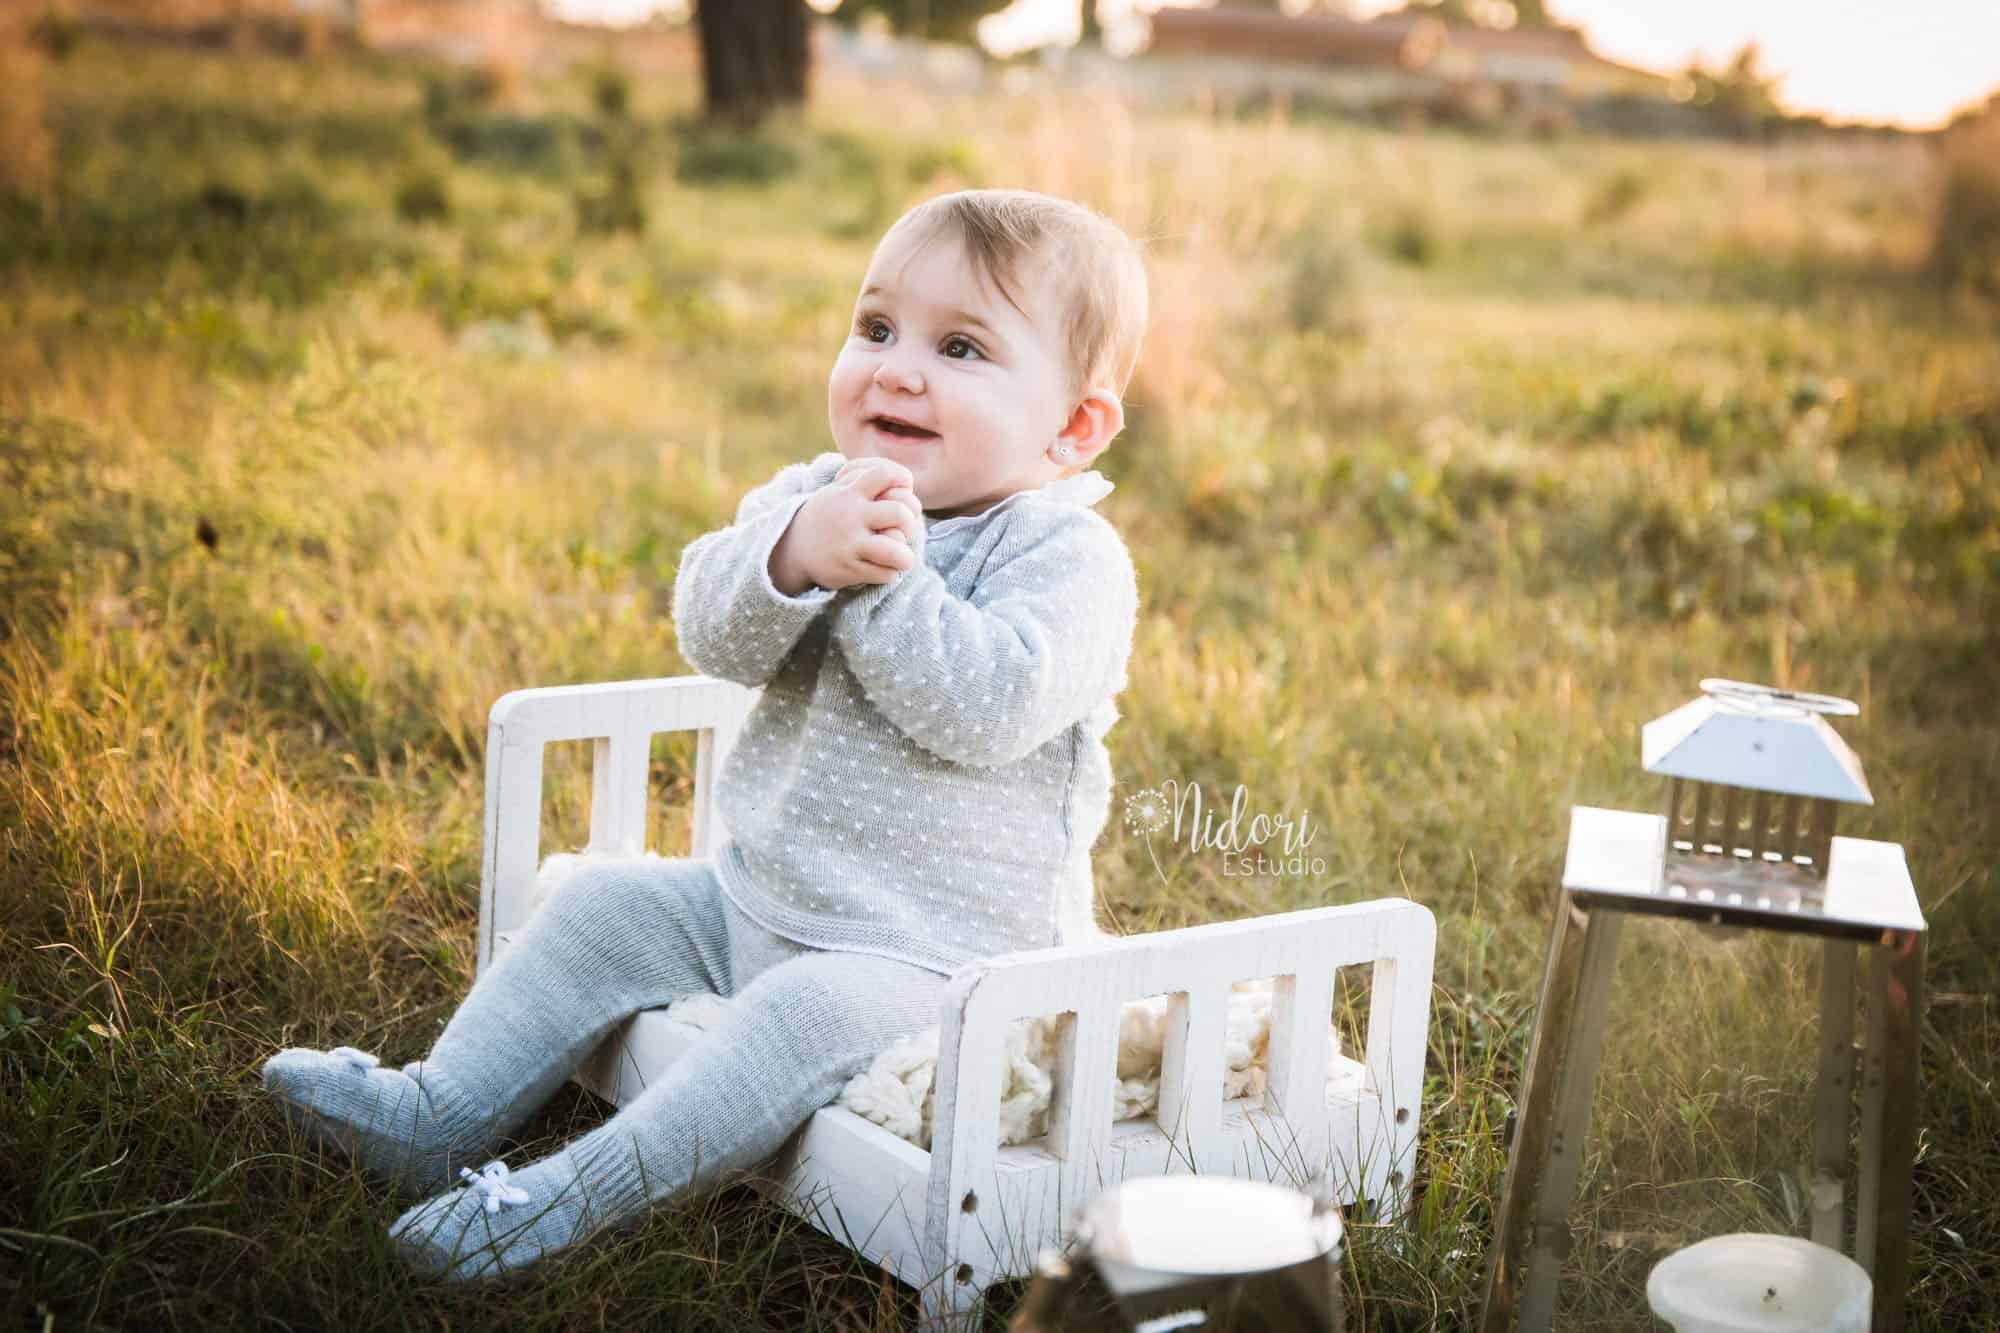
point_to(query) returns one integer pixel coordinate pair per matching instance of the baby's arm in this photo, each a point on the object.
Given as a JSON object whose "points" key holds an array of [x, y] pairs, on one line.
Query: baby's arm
{"points": [[1045, 635], [731, 622]]}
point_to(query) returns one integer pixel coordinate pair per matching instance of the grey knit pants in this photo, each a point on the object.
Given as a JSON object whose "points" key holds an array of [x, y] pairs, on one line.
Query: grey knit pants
{"points": [[613, 938]]}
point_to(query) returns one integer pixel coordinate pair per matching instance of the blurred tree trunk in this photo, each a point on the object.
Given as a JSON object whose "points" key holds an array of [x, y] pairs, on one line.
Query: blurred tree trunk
{"points": [[753, 56], [25, 165]]}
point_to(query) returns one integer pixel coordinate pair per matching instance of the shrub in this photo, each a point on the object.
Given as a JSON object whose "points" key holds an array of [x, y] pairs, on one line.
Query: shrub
{"points": [[424, 197], [617, 207], [713, 154], [497, 78], [1614, 197], [452, 94], [611, 92], [1412, 238], [1318, 271], [440, 99], [1965, 241], [56, 33], [957, 161], [539, 144], [856, 179], [224, 200]]}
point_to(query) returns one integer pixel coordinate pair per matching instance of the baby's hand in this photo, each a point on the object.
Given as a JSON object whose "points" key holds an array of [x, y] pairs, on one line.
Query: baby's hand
{"points": [[858, 528], [882, 479]]}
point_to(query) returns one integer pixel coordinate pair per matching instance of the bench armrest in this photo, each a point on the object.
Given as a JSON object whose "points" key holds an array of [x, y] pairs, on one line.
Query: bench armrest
{"points": [[622, 717]]}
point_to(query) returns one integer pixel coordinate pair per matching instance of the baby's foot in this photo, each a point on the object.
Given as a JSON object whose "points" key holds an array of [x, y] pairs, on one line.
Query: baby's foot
{"points": [[495, 1224], [411, 1126]]}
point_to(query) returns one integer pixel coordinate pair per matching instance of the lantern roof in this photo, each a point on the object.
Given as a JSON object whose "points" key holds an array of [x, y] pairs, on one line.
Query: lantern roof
{"points": [[1759, 738]]}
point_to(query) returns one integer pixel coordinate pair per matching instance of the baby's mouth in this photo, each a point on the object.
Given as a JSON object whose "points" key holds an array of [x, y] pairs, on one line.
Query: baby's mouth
{"points": [[901, 429]]}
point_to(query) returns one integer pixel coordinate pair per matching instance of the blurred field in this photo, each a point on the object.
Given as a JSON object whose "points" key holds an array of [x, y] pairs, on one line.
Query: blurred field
{"points": [[342, 398]]}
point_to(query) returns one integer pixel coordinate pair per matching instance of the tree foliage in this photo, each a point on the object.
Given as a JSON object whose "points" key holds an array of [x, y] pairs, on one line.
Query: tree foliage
{"points": [[928, 20], [1744, 94]]}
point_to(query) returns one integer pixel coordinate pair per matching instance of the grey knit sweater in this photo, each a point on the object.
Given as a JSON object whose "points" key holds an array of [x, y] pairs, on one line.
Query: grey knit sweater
{"points": [[924, 773]]}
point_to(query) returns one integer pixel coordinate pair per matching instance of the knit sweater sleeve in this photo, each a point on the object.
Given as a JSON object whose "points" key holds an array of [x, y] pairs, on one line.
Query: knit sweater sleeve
{"points": [[729, 619], [986, 680]]}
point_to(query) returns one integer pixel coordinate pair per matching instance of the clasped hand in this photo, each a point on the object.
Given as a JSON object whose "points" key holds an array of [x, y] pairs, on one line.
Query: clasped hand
{"points": [[861, 527]]}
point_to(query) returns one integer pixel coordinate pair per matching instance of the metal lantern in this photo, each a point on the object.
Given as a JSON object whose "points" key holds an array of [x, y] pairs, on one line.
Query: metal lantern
{"points": [[1185, 1251], [1744, 840], [1753, 778]]}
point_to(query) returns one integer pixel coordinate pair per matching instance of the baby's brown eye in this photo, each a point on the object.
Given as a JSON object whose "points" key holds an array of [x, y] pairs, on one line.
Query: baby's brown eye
{"points": [[867, 328], [950, 343]]}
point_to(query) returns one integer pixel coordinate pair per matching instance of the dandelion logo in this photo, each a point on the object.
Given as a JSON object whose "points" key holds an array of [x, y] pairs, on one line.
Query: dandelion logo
{"points": [[1146, 811], [1241, 841]]}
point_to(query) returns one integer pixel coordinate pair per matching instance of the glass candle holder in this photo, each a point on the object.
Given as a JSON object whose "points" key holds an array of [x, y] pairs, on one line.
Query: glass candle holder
{"points": [[1751, 1282], [1171, 1252]]}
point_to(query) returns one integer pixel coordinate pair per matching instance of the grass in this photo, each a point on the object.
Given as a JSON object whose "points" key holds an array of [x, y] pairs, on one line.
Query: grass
{"points": [[326, 418]]}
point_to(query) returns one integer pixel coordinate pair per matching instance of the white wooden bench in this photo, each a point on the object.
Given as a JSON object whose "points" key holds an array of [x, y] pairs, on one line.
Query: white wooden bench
{"points": [[970, 1213]]}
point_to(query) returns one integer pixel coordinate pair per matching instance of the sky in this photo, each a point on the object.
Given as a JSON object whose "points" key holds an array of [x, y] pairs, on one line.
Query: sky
{"points": [[1910, 62], [1905, 62]]}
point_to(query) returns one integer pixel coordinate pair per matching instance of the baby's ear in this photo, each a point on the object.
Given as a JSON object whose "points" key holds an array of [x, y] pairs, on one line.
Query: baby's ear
{"points": [[1093, 424]]}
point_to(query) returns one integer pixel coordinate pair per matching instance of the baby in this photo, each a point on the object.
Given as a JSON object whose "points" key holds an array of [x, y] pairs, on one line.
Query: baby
{"points": [[939, 623]]}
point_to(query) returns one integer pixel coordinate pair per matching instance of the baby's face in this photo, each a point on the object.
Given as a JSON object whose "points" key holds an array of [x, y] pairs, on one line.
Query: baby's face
{"points": [[977, 386]]}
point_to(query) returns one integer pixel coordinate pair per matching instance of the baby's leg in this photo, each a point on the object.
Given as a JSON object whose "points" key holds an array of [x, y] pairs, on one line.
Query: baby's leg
{"points": [[797, 1033], [613, 938]]}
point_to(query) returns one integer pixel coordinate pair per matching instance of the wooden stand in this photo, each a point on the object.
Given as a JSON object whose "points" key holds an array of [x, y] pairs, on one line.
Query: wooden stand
{"points": [[1615, 865]]}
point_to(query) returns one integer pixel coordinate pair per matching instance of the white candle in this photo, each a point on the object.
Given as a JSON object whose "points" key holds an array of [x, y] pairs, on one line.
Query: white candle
{"points": [[1756, 1283]]}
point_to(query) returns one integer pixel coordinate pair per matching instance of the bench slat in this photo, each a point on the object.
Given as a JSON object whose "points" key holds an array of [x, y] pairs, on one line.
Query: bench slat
{"points": [[1190, 1107], [1080, 1109]]}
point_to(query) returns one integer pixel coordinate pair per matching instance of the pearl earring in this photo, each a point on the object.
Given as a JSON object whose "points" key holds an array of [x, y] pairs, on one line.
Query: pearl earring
{"points": [[1064, 451]]}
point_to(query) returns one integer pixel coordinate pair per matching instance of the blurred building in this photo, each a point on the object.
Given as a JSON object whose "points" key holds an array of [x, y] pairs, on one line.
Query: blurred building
{"points": [[1395, 61]]}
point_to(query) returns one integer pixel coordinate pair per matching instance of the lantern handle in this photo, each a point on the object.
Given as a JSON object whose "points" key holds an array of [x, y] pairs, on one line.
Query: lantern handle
{"points": [[1762, 695]]}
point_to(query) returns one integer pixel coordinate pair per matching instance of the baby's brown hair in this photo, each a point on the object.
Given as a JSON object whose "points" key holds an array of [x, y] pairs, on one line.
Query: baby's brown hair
{"points": [[1107, 297]]}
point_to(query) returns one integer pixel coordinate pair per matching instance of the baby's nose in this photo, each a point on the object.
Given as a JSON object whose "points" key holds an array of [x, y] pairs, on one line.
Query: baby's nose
{"points": [[896, 373]]}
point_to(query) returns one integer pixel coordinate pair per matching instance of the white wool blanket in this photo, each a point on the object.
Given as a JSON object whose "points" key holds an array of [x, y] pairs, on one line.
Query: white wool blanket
{"points": [[898, 1088]]}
